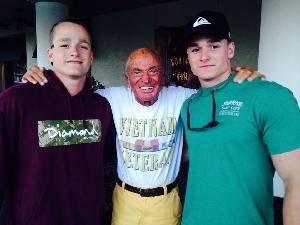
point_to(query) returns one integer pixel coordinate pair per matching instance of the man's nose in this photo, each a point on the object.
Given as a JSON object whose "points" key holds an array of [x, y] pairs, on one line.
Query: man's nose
{"points": [[74, 50], [145, 77], [204, 55]]}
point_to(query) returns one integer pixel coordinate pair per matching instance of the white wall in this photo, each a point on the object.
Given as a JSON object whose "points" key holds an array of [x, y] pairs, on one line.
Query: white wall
{"points": [[279, 49], [117, 34], [47, 14], [280, 43]]}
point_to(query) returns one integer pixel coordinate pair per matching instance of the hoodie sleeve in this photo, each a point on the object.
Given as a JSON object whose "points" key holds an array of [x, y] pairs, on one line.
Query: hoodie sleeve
{"points": [[3, 155], [110, 143], [7, 139]]}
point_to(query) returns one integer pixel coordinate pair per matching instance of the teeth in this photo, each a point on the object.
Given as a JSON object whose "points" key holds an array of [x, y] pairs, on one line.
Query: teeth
{"points": [[146, 88]]}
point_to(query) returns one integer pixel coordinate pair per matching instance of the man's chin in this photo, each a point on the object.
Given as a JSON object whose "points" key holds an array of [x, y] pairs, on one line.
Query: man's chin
{"points": [[149, 96], [206, 77], [147, 100], [76, 75]]}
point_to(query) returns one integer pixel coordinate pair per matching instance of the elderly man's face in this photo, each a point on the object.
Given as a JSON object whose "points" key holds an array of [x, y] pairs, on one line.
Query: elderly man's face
{"points": [[143, 77]]}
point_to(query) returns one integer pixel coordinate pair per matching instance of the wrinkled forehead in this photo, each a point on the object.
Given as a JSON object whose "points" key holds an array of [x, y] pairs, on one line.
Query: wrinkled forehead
{"points": [[143, 60]]}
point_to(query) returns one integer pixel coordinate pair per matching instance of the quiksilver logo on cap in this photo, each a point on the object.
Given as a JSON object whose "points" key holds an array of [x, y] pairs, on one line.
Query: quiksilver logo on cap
{"points": [[200, 21]]}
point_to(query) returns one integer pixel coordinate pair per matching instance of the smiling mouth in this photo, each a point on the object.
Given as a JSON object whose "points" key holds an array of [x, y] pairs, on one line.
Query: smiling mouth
{"points": [[204, 66], [146, 89], [74, 62]]}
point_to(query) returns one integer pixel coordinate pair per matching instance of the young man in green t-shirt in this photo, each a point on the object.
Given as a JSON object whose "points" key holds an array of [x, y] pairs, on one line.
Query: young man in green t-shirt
{"points": [[252, 128]]}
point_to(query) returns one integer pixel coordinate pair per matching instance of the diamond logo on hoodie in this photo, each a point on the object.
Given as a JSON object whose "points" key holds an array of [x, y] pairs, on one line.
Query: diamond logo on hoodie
{"points": [[68, 132]]}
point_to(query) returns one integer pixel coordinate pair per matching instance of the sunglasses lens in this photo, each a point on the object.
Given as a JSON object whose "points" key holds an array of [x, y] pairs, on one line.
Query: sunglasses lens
{"points": [[211, 124]]}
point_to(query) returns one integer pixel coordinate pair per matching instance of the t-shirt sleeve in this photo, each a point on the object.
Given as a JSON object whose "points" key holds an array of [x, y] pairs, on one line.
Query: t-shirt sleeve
{"points": [[189, 92], [280, 121], [183, 112]]}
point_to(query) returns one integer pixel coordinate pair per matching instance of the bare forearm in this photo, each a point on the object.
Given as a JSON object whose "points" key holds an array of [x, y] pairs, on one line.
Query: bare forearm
{"points": [[288, 167], [291, 205]]}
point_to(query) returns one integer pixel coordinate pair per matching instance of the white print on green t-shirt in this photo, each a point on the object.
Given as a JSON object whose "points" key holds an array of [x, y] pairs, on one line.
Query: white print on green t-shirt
{"points": [[231, 108]]}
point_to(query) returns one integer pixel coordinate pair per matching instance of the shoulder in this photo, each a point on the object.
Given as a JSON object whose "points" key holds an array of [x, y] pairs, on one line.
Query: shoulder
{"points": [[260, 89], [118, 95], [268, 99], [184, 105], [96, 103], [261, 85], [101, 99], [19, 90], [178, 91], [112, 90], [17, 97]]}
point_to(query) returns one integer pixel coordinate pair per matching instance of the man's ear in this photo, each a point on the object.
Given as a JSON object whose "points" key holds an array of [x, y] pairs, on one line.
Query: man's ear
{"points": [[126, 79], [50, 54], [92, 57], [231, 49]]}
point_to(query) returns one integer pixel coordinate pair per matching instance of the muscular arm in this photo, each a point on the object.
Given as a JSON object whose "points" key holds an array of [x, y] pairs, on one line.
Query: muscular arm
{"points": [[288, 167]]}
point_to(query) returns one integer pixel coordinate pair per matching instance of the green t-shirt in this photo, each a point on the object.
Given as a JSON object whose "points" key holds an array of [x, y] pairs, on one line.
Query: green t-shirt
{"points": [[231, 172]]}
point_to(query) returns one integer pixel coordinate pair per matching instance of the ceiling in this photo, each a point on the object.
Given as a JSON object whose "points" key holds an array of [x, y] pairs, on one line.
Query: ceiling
{"points": [[17, 14]]}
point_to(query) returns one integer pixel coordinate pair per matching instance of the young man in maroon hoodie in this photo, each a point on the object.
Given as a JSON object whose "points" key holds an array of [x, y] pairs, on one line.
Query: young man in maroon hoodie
{"points": [[52, 139]]}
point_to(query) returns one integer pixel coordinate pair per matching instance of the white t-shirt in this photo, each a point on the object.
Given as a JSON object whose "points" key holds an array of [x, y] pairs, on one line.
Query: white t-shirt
{"points": [[149, 138]]}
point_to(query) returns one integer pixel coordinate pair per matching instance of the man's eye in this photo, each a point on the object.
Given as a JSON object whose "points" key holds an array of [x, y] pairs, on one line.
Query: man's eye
{"points": [[153, 71], [194, 50], [64, 46], [215, 46], [136, 72], [84, 47]]}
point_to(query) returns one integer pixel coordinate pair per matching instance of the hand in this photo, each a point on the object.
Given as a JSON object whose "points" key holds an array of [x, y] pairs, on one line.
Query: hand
{"points": [[35, 75], [248, 73]]}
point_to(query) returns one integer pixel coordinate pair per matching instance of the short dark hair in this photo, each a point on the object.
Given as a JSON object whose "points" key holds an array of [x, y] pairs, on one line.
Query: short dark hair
{"points": [[68, 20]]}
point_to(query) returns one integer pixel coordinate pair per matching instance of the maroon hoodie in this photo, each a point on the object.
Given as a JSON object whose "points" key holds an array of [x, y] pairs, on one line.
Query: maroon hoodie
{"points": [[51, 154]]}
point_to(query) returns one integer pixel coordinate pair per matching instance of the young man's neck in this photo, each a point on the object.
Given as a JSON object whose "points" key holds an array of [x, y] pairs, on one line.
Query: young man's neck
{"points": [[210, 83], [74, 86]]}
